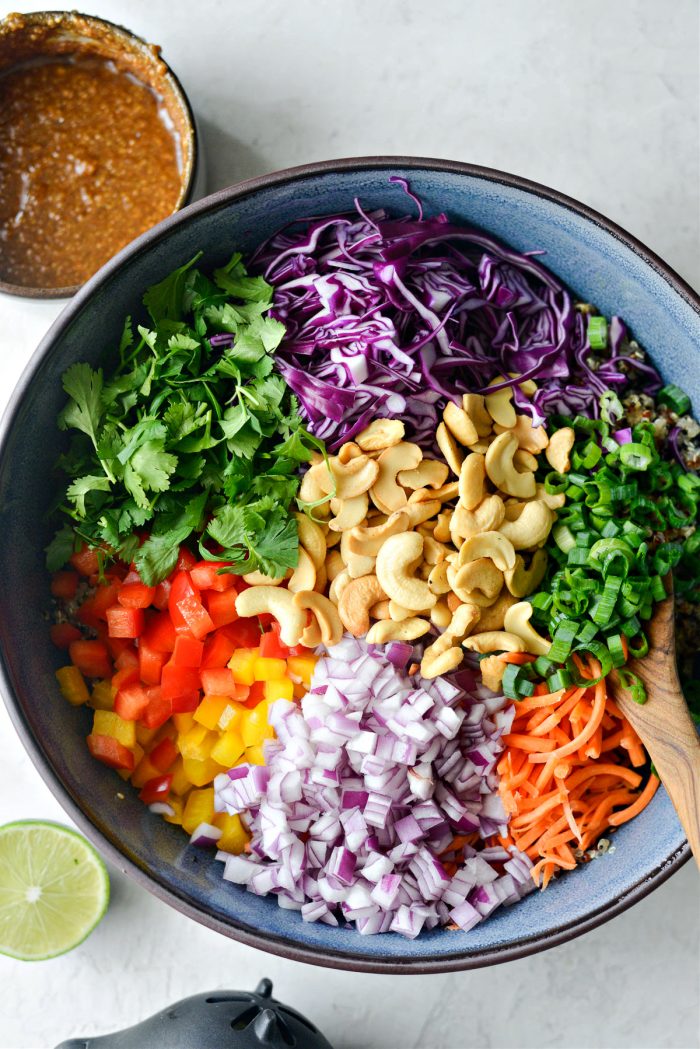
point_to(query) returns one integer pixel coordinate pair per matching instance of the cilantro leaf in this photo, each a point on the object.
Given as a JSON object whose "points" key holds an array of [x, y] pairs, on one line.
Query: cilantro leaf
{"points": [[84, 409], [258, 537], [82, 487], [60, 548], [164, 301], [154, 465]]}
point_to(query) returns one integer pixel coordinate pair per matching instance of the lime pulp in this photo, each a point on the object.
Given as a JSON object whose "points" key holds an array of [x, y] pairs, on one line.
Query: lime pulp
{"points": [[54, 889]]}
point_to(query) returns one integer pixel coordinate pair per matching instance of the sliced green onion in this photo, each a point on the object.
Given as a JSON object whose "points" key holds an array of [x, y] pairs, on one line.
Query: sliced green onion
{"points": [[597, 333], [564, 637], [544, 666], [639, 650], [559, 679], [563, 538], [631, 627], [600, 652], [636, 456], [616, 650], [587, 632], [673, 396], [634, 685]]}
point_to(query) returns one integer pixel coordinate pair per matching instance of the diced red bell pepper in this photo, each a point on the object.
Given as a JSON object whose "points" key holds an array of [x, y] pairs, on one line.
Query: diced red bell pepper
{"points": [[163, 755], [151, 663], [128, 657], [162, 594], [134, 593], [86, 614], [266, 620], [130, 703], [206, 576], [256, 694], [125, 677], [176, 682], [218, 681], [64, 634], [116, 645], [218, 649], [273, 647], [186, 609], [222, 607], [64, 585], [158, 711], [187, 704], [105, 597], [159, 632], [187, 652], [125, 622], [85, 561], [246, 633], [110, 751], [155, 790], [186, 560], [91, 658]]}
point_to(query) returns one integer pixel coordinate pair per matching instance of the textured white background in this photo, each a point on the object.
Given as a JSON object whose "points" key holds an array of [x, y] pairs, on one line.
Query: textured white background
{"points": [[599, 99]]}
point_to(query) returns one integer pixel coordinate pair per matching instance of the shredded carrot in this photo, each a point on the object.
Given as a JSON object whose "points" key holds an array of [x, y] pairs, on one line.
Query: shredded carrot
{"points": [[516, 657], [572, 768]]}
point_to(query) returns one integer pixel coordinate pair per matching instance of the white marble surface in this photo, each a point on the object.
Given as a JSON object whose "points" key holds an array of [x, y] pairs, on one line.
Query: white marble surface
{"points": [[599, 99]]}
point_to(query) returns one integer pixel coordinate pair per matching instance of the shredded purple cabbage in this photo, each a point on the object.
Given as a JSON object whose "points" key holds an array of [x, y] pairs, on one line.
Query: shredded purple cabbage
{"points": [[394, 317]]}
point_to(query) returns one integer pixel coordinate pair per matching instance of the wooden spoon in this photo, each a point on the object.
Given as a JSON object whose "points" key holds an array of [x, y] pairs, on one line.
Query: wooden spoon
{"points": [[664, 724]]}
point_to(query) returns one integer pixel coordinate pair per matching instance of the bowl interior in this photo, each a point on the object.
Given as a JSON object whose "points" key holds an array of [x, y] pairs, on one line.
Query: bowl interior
{"points": [[591, 259]]}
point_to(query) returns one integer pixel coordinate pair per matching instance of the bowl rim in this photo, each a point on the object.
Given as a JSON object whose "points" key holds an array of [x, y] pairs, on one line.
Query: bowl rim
{"points": [[262, 940], [189, 175]]}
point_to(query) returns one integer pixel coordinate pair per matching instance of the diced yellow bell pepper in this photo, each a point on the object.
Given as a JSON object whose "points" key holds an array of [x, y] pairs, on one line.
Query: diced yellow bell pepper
{"points": [[196, 743], [302, 666], [210, 710], [72, 685], [242, 665], [232, 715], [234, 836], [145, 735], [180, 783], [102, 696], [183, 722], [255, 755], [143, 772], [269, 669], [255, 726], [200, 773], [199, 808], [280, 688], [107, 723], [176, 804], [300, 690], [228, 750]]}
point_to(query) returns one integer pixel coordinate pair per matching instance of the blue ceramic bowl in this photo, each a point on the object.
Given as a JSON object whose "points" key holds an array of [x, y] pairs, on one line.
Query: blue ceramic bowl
{"points": [[598, 260]]}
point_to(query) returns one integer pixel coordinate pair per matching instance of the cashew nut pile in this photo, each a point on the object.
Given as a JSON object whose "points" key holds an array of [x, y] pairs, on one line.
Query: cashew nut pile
{"points": [[408, 542]]}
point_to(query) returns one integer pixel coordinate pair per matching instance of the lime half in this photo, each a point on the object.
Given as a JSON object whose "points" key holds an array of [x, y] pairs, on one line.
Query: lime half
{"points": [[54, 888]]}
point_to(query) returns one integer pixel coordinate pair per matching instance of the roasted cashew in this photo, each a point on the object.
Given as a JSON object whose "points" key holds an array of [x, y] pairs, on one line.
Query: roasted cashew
{"points": [[335, 590], [280, 604], [501, 468], [407, 630], [478, 582], [517, 621], [493, 617], [433, 552], [437, 580], [453, 602], [356, 564], [522, 581], [435, 664], [560, 444], [474, 406], [334, 564], [312, 538], [440, 615], [349, 451], [448, 446], [381, 434], [346, 480], [397, 613], [355, 603], [554, 502], [332, 538], [321, 580], [368, 541], [348, 512], [494, 641], [480, 448], [489, 544], [524, 460], [441, 531], [258, 579], [304, 575], [386, 494], [514, 508], [532, 438], [492, 670], [325, 613], [418, 513], [312, 636], [380, 610], [499, 405], [531, 528], [472, 478], [428, 474], [310, 491], [486, 518], [459, 424], [464, 619], [443, 494], [397, 560]]}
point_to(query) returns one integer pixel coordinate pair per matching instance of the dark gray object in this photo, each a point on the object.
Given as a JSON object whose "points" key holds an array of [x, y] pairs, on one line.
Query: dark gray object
{"points": [[216, 1020]]}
